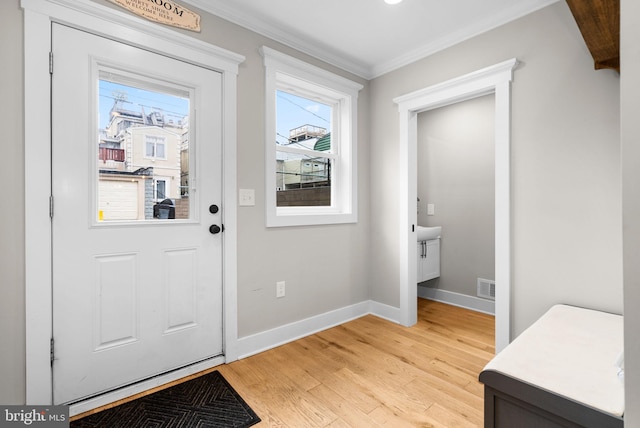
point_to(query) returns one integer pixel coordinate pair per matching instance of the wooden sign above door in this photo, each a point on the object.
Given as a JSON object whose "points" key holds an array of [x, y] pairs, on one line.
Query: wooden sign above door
{"points": [[163, 11]]}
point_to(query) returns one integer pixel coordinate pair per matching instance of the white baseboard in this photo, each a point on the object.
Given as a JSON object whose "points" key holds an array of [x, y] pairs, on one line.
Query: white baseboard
{"points": [[387, 312], [259, 342], [456, 299]]}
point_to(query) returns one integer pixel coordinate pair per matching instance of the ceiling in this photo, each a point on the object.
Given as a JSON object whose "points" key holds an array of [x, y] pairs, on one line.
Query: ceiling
{"points": [[369, 37]]}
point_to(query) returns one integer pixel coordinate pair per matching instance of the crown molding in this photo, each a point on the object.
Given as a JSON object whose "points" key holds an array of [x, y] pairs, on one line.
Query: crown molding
{"points": [[331, 56], [516, 11], [288, 38]]}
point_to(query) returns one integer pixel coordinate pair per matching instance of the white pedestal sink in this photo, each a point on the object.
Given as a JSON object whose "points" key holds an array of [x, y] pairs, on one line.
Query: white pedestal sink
{"points": [[427, 233]]}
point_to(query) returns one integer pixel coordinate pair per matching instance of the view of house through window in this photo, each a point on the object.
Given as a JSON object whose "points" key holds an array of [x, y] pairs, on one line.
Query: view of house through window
{"points": [[303, 143], [143, 151]]}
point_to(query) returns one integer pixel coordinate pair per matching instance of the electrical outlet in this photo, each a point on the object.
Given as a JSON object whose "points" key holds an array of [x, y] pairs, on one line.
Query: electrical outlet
{"points": [[280, 289]]}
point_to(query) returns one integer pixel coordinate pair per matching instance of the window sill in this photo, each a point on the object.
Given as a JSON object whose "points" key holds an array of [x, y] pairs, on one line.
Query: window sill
{"points": [[295, 217]]}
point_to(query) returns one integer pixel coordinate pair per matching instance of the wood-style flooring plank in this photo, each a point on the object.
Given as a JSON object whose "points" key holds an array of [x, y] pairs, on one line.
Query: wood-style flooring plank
{"points": [[373, 373]]}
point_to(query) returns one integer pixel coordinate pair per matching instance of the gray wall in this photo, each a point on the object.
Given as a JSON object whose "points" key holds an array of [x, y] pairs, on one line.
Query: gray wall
{"points": [[456, 169], [566, 201], [630, 132], [325, 267], [12, 321]]}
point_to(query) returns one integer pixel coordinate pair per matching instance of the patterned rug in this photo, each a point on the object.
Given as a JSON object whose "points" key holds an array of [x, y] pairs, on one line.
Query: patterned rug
{"points": [[205, 402]]}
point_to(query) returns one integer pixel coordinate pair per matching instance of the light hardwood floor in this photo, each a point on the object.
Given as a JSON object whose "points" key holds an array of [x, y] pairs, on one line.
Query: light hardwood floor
{"points": [[371, 372]]}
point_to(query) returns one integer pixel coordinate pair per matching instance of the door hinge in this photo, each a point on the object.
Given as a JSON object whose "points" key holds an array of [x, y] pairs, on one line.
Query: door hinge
{"points": [[50, 62], [51, 207], [51, 351]]}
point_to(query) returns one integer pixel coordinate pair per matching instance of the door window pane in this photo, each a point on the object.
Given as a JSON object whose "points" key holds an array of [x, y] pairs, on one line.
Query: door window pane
{"points": [[143, 134]]}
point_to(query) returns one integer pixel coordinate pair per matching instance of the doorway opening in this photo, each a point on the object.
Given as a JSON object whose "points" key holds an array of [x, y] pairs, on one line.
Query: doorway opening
{"points": [[456, 191], [495, 80]]}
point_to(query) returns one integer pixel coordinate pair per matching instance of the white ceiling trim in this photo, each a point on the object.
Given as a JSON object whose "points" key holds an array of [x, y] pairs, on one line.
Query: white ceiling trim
{"points": [[517, 10], [259, 26], [331, 56]]}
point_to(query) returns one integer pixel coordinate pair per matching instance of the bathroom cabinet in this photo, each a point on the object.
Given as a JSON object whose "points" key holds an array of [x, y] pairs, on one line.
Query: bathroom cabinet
{"points": [[428, 259]]}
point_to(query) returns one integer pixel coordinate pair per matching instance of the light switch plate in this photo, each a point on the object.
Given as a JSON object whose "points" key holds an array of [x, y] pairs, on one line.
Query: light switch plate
{"points": [[431, 209], [246, 197], [280, 289]]}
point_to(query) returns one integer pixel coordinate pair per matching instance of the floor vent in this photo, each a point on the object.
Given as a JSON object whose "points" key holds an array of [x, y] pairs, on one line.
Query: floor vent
{"points": [[487, 288]]}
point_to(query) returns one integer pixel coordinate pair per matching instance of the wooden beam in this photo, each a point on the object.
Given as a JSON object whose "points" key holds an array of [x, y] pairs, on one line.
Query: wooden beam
{"points": [[599, 23]]}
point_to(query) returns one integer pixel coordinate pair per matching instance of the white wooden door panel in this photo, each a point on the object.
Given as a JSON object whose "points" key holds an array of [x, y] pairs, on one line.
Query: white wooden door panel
{"points": [[131, 298], [115, 295], [180, 286]]}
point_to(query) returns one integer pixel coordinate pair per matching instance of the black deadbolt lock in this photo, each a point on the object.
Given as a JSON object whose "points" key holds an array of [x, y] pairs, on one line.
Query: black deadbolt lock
{"points": [[213, 209]]}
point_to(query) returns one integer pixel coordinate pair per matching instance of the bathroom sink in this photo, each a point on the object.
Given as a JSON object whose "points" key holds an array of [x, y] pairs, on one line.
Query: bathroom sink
{"points": [[428, 233]]}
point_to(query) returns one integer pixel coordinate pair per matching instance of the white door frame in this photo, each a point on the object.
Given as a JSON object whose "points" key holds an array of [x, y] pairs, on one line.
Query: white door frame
{"points": [[120, 26], [496, 80]]}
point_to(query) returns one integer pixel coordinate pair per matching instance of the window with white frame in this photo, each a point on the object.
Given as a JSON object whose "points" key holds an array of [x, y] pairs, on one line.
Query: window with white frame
{"points": [[311, 122], [155, 147]]}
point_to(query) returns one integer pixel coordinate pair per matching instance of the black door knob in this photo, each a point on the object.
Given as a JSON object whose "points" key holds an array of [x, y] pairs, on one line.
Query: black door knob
{"points": [[214, 229], [213, 209]]}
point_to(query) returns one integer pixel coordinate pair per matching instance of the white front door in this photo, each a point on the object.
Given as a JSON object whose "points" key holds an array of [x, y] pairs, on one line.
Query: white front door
{"points": [[137, 283]]}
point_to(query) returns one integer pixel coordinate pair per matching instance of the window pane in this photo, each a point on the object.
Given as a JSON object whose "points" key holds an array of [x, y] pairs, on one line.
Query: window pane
{"points": [[304, 124], [160, 190], [143, 135], [160, 151], [302, 180]]}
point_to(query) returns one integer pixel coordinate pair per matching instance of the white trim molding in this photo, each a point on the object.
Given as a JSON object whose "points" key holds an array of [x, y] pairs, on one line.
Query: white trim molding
{"points": [[289, 74], [120, 26], [495, 80]]}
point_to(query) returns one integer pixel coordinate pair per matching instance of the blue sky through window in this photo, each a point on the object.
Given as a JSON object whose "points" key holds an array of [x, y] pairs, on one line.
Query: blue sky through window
{"points": [[293, 111], [173, 107]]}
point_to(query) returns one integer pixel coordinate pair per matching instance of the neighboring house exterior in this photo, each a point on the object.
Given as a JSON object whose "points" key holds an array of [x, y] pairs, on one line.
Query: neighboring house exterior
{"points": [[304, 180], [140, 163]]}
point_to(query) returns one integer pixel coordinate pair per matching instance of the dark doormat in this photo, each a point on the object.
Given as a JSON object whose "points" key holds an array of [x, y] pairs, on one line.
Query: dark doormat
{"points": [[204, 402]]}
